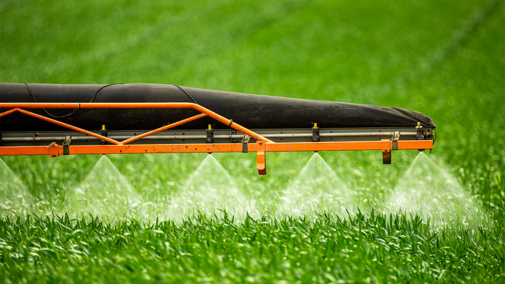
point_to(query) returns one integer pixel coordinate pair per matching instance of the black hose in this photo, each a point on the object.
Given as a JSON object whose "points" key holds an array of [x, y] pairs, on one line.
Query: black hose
{"points": [[67, 115]]}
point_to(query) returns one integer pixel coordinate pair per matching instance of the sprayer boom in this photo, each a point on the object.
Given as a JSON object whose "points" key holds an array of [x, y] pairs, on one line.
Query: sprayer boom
{"points": [[167, 140]]}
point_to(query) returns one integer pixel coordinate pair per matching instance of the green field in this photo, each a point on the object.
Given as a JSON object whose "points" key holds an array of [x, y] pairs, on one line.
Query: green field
{"points": [[443, 58]]}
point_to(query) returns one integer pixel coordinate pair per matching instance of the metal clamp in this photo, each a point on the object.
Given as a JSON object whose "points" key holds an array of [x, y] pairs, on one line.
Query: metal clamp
{"points": [[232, 132], [66, 143], [395, 138], [245, 144]]}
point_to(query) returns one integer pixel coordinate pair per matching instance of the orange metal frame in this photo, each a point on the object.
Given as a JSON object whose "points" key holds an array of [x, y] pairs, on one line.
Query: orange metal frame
{"points": [[261, 146]]}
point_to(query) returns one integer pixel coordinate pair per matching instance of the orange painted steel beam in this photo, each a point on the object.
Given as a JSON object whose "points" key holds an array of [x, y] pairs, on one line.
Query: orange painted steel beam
{"points": [[415, 145], [8, 112], [213, 148], [199, 108], [345, 146], [123, 149], [68, 126], [163, 128], [138, 105], [21, 151], [39, 105]]}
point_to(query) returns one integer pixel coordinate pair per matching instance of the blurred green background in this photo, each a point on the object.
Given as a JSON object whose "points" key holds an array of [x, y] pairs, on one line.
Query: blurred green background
{"points": [[443, 58]]}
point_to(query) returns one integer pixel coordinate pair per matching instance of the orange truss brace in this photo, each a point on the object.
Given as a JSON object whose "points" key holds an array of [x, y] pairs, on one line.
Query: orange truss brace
{"points": [[163, 128], [68, 126], [199, 108], [262, 145]]}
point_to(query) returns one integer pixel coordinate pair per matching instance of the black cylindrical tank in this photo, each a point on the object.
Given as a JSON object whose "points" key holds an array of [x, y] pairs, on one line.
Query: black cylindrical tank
{"points": [[251, 111]]}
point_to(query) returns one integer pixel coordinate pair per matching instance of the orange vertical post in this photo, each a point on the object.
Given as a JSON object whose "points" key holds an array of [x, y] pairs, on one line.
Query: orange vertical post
{"points": [[386, 151], [261, 162]]}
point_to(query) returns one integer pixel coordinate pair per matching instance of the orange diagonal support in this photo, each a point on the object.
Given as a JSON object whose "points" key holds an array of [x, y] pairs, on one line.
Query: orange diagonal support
{"points": [[199, 108], [8, 112], [163, 128], [231, 124], [68, 126]]}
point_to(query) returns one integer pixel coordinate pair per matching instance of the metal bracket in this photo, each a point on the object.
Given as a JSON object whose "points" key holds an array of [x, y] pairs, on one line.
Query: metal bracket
{"points": [[232, 133], [66, 143], [53, 150], [428, 134], [245, 144], [395, 138], [261, 162]]}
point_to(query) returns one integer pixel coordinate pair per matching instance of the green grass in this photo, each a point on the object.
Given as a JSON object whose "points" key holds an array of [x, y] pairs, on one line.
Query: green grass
{"points": [[369, 248], [443, 58]]}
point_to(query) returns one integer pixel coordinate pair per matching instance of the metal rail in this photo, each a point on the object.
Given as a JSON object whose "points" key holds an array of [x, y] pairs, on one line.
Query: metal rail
{"points": [[235, 136]]}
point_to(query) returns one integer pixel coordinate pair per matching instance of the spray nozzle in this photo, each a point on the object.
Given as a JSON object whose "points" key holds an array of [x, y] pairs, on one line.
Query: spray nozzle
{"points": [[419, 130], [315, 133], [210, 134], [104, 133]]}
